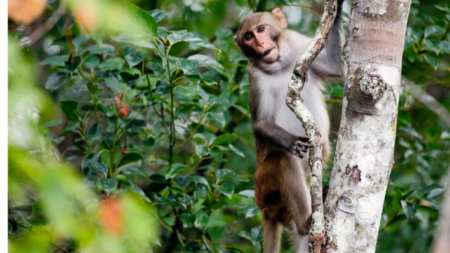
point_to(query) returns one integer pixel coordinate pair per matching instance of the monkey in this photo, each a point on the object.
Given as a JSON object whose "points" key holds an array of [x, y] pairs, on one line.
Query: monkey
{"points": [[282, 177]]}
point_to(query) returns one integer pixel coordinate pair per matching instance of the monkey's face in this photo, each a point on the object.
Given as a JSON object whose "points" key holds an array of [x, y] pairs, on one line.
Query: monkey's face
{"points": [[261, 41], [258, 35]]}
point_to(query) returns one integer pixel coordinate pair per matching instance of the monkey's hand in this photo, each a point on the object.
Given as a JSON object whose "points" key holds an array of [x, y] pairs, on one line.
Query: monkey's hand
{"points": [[300, 145]]}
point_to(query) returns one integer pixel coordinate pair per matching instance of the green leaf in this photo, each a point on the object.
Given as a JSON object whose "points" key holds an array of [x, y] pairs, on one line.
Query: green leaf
{"points": [[173, 170], [223, 174], [108, 184], [396, 219], [157, 178], [183, 64], [140, 40], [206, 61], [223, 33], [104, 49], [432, 60], [241, 3], [409, 41], [130, 170], [98, 167], [410, 54], [201, 220], [73, 62], [408, 208], [428, 189], [435, 193], [129, 158], [157, 14], [78, 145], [188, 219], [249, 210], [255, 235], [134, 55], [223, 139], [143, 19], [56, 80], [434, 30], [92, 87], [53, 123], [236, 151], [432, 45], [114, 84], [192, 247], [190, 37], [445, 46], [139, 192], [199, 180], [56, 60], [69, 107], [80, 39], [219, 117], [247, 193], [111, 64], [200, 193], [226, 189], [189, 90], [443, 7], [91, 62]]}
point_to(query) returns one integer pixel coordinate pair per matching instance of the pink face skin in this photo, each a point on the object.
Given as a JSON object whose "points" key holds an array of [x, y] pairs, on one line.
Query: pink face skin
{"points": [[259, 39]]}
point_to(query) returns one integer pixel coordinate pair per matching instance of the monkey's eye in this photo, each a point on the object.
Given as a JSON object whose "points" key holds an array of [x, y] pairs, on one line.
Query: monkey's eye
{"points": [[261, 29], [248, 36]]}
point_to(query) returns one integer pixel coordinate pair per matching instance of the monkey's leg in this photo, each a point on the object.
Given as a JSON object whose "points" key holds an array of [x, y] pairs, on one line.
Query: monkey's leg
{"points": [[299, 242], [272, 233], [295, 190]]}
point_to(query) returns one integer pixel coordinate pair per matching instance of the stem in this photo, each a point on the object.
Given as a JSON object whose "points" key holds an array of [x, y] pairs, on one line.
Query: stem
{"points": [[172, 115]]}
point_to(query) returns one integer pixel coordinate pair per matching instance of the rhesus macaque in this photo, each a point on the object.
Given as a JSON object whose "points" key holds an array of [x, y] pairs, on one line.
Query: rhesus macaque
{"points": [[282, 177]]}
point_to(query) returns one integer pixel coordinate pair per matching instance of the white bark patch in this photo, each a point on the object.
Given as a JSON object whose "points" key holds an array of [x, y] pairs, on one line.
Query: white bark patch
{"points": [[342, 243], [345, 225], [366, 166], [319, 224], [367, 209], [347, 204]]}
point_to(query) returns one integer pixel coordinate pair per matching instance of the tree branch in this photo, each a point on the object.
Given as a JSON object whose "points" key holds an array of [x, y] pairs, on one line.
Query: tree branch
{"points": [[294, 102]]}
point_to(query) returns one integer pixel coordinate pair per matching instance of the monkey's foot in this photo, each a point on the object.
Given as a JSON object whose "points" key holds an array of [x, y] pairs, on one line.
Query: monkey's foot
{"points": [[301, 146]]}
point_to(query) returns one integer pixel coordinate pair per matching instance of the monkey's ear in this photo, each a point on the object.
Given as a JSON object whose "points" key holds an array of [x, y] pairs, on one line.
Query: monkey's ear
{"points": [[236, 39], [280, 16]]}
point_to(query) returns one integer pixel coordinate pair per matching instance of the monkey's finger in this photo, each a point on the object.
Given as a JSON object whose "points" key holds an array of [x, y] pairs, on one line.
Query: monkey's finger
{"points": [[302, 144], [304, 138], [296, 153]]}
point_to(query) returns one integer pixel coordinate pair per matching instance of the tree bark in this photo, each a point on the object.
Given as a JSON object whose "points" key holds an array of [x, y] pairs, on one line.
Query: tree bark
{"points": [[365, 148], [442, 233]]}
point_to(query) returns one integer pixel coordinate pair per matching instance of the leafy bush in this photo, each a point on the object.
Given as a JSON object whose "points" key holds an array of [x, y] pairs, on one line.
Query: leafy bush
{"points": [[157, 122]]}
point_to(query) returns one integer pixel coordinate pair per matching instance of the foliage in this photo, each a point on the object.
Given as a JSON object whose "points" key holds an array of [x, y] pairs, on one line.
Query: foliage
{"points": [[148, 101]]}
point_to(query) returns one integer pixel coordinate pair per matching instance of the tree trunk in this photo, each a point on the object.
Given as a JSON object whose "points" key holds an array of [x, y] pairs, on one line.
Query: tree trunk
{"points": [[442, 234], [365, 148]]}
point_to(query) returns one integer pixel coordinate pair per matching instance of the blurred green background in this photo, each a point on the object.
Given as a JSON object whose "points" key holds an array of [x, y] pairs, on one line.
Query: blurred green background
{"points": [[129, 128]]}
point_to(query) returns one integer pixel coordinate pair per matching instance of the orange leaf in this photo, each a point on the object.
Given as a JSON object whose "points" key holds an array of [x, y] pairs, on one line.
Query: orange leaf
{"points": [[111, 216], [25, 11]]}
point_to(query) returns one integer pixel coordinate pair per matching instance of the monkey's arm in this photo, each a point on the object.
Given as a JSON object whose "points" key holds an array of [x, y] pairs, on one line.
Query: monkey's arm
{"points": [[329, 63], [268, 131]]}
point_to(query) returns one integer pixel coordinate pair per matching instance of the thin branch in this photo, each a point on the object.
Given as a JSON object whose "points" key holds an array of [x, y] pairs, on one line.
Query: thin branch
{"points": [[427, 100], [41, 30], [294, 102]]}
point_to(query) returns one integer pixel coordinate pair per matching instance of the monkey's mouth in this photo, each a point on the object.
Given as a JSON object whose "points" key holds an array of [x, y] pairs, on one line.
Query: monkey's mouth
{"points": [[267, 52]]}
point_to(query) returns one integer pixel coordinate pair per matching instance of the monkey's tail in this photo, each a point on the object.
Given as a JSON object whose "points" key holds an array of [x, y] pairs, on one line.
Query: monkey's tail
{"points": [[272, 233]]}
